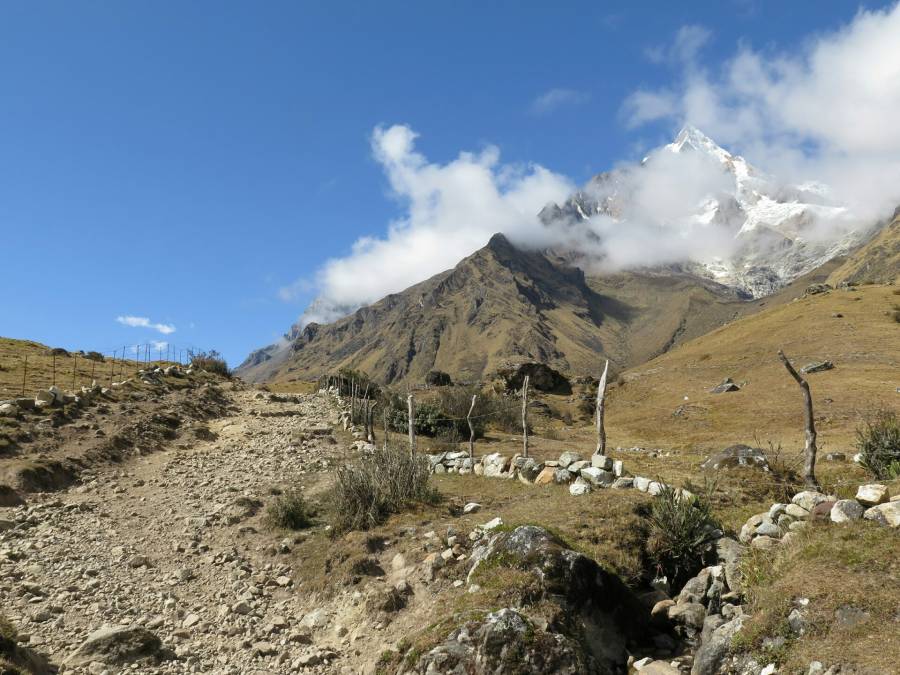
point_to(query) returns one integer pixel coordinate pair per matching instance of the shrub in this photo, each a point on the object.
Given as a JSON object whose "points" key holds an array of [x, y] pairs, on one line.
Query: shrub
{"points": [[681, 540], [367, 491], [94, 356], [437, 378], [290, 511], [211, 362], [878, 442]]}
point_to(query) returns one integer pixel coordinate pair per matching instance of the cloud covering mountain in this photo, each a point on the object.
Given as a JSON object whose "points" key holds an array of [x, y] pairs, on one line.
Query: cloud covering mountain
{"points": [[822, 113]]}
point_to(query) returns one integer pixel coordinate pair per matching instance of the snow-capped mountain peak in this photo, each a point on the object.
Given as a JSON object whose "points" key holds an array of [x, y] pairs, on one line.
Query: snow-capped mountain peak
{"points": [[779, 231]]}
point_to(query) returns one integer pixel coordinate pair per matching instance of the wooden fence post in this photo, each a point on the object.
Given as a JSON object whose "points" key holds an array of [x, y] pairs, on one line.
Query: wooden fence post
{"points": [[386, 428], [525, 417], [411, 406], [601, 396], [809, 468], [54, 369], [74, 370], [471, 428], [370, 422], [24, 374]]}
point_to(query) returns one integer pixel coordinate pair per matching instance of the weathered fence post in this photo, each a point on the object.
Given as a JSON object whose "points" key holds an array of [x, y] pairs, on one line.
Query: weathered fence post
{"points": [[411, 406], [386, 428], [809, 468], [370, 422], [471, 428], [601, 396], [24, 374], [74, 370], [525, 417], [54, 369]]}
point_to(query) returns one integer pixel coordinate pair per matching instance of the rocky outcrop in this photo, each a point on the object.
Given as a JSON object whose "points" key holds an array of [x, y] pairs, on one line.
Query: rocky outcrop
{"points": [[572, 616]]}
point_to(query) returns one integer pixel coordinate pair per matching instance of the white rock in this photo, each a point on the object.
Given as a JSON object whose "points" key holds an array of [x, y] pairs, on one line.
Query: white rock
{"points": [[845, 510], [579, 487], [872, 494], [884, 514]]}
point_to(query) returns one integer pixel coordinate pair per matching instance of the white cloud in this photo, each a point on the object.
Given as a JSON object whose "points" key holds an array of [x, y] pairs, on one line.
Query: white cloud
{"points": [[451, 210], [144, 322], [557, 98], [826, 110], [159, 344]]}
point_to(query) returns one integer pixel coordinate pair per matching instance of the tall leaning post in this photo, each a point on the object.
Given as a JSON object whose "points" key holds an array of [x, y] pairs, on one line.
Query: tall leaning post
{"points": [[809, 468], [525, 417], [411, 406], [601, 400], [471, 428]]}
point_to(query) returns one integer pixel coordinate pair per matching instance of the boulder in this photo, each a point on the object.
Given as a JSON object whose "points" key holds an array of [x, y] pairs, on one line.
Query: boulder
{"points": [[726, 386], [503, 641], [884, 514], [872, 494], [576, 467], [845, 510], [623, 483], [808, 499], [579, 487], [687, 613], [710, 656], [737, 456], [8, 410], [563, 476], [597, 477], [568, 458], [528, 470], [591, 609], [817, 367], [545, 477], [822, 510], [642, 483], [602, 462], [117, 645], [494, 464]]}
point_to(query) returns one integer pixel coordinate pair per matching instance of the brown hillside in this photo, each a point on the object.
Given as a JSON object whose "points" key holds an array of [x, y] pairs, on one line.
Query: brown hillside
{"points": [[667, 400], [502, 304]]}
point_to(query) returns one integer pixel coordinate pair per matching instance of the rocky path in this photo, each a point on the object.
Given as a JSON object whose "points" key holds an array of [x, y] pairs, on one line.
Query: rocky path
{"points": [[172, 543]]}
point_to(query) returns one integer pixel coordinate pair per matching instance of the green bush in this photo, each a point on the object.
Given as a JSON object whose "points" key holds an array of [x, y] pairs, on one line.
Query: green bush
{"points": [[682, 529], [878, 442], [290, 511], [367, 491], [211, 362]]}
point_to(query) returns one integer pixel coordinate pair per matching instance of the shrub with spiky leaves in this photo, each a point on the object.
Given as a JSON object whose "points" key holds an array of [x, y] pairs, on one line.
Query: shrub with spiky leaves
{"points": [[682, 534]]}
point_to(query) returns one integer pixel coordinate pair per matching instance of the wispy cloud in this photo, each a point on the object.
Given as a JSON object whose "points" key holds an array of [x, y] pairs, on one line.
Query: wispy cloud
{"points": [[144, 322], [825, 109], [553, 99]]}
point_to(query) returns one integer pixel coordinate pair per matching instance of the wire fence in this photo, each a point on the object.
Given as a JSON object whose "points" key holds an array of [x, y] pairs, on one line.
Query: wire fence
{"points": [[25, 371]]}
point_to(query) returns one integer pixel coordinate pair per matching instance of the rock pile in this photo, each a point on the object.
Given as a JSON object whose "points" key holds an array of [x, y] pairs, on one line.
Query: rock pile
{"points": [[777, 525], [572, 469]]}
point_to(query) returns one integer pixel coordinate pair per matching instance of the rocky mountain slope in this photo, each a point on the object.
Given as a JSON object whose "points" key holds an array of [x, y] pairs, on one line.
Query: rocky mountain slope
{"points": [[506, 304], [877, 261]]}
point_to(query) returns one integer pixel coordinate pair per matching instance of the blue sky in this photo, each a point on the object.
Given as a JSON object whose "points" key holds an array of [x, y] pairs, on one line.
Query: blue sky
{"points": [[188, 162]]}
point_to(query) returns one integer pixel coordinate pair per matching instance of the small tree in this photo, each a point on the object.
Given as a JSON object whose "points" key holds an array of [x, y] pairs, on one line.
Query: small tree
{"points": [[809, 467]]}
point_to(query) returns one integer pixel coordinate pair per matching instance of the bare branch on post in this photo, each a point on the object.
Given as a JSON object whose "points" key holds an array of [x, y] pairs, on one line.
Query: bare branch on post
{"points": [[471, 428], [809, 467], [525, 417], [601, 400], [411, 405]]}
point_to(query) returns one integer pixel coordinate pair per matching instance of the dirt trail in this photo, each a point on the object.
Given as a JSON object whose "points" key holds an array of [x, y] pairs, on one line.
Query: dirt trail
{"points": [[173, 541]]}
